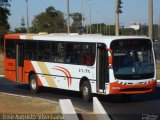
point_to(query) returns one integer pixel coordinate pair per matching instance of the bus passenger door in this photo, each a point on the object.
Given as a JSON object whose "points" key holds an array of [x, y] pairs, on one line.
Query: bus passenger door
{"points": [[102, 67], [19, 62]]}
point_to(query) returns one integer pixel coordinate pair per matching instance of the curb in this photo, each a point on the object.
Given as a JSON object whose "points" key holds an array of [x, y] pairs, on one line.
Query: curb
{"points": [[50, 101], [69, 112], [99, 111], [158, 83], [1, 75], [23, 96]]}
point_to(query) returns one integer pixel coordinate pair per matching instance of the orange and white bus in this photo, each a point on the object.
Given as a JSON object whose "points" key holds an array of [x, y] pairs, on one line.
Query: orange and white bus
{"points": [[86, 63]]}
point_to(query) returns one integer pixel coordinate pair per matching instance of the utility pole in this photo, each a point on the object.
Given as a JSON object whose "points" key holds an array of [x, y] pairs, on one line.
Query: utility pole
{"points": [[68, 17], [22, 21], [117, 12], [97, 28], [27, 16], [82, 12], [158, 23], [90, 20], [150, 18], [100, 28], [106, 26], [159, 26]]}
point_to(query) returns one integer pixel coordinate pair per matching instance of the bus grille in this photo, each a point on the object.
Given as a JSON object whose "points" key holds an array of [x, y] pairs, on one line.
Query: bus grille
{"points": [[135, 89]]}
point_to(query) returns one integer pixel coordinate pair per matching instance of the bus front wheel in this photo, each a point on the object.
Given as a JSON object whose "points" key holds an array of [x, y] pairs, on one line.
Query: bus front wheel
{"points": [[33, 83], [86, 91]]}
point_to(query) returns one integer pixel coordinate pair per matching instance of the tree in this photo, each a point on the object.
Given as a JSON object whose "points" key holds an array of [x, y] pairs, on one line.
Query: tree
{"points": [[77, 21], [4, 25], [20, 30], [4, 3], [4, 13], [51, 21]]}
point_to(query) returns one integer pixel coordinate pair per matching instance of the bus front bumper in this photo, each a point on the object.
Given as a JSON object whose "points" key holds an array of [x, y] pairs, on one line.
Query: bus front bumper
{"points": [[118, 88]]}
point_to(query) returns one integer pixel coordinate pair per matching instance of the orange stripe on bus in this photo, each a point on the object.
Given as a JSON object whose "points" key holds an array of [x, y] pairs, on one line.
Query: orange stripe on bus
{"points": [[12, 36], [117, 88], [69, 75]]}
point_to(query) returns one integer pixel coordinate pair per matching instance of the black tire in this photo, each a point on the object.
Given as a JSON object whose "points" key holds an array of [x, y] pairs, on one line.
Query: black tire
{"points": [[86, 91], [33, 82]]}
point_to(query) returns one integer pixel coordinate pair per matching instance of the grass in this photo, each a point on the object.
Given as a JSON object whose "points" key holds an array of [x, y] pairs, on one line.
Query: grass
{"points": [[158, 70], [1, 58], [158, 74]]}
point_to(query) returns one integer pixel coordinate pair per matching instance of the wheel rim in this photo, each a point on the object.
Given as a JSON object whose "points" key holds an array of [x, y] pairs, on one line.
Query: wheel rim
{"points": [[85, 91], [33, 84]]}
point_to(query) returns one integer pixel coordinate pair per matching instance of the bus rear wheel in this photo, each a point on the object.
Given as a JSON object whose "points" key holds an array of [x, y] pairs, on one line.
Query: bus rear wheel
{"points": [[33, 83], [86, 91]]}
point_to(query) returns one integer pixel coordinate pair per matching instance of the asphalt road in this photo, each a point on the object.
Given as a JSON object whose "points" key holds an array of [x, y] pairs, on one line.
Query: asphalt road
{"points": [[137, 107]]}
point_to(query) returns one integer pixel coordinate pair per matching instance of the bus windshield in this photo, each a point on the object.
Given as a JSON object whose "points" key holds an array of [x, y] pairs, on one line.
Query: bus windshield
{"points": [[133, 59]]}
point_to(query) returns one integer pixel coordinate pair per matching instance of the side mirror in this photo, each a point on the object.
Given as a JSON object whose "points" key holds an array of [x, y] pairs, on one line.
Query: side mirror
{"points": [[110, 58]]}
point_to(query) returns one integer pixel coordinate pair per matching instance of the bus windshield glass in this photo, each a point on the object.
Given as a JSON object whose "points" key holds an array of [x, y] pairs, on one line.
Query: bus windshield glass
{"points": [[133, 59]]}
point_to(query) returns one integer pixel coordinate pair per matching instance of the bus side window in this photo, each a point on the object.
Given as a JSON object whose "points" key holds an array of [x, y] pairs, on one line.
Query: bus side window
{"points": [[88, 59], [31, 50], [88, 51], [10, 49], [73, 53], [57, 52], [44, 51]]}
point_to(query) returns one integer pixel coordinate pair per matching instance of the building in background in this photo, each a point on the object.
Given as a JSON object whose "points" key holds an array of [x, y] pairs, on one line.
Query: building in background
{"points": [[135, 25]]}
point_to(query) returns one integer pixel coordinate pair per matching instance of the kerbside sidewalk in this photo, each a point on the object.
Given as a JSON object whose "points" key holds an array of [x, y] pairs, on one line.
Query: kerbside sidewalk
{"points": [[16, 104], [158, 83]]}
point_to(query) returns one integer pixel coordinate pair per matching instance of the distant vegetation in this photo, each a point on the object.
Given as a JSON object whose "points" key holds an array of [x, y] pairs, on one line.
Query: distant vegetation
{"points": [[51, 21], [157, 53], [158, 70], [157, 50], [54, 21], [4, 25]]}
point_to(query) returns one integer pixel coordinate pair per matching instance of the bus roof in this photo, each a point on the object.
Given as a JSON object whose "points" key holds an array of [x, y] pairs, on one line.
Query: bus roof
{"points": [[72, 37]]}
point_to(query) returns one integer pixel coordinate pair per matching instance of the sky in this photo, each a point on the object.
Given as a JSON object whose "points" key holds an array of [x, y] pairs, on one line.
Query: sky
{"points": [[102, 11]]}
